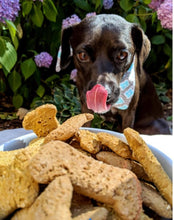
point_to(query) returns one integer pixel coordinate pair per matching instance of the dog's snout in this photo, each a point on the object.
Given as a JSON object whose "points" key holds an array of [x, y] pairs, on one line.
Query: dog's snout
{"points": [[110, 82], [113, 94]]}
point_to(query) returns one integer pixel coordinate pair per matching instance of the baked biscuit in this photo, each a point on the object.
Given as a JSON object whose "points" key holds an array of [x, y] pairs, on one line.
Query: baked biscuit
{"points": [[88, 141], [80, 204], [151, 165], [96, 213], [18, 189], [69, 127], [115, 160], [6, 159], [153, 200], [115, 144], [114, 186], [42, 120], [53, 203]]}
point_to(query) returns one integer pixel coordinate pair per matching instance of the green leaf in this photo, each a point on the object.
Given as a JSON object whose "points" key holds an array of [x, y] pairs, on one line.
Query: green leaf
{"points": [[26, 7], [12, 29], [83, 4], [164, 99], [52, 78], [167, 50], [40, 91], [37, 16], [28, 67], [14, 81], [158, 39], [169, 35], [143, 25], [17, 101], [49, 10], [98, 4], [9, 57], [147, 2], [2, 46], [16, 42], [126, 5], [142, 12], [19, 31], [132, 18]]}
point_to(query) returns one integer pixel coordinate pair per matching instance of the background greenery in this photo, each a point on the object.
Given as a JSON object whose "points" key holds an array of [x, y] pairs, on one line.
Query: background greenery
{"points": [[38, 28]]}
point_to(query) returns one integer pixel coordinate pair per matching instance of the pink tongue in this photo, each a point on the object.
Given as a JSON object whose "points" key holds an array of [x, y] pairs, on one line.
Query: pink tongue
{"points": [[96, 99]]}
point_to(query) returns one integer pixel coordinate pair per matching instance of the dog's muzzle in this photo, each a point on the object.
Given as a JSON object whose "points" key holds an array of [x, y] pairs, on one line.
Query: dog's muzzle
{"points": [[107, 93]]}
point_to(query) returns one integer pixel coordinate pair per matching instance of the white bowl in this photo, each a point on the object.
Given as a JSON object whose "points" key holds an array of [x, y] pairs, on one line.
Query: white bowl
{"points": [[163, 154]]}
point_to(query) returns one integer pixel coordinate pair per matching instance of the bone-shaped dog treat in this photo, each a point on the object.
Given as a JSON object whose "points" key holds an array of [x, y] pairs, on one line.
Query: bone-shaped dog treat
{"points": [[115, 144], [96, 213], [153, 200], [88, 141], [115, 160], [151, 165], [53, 203], [17, 187], [114, 186], [42, 120], [69, 127]]}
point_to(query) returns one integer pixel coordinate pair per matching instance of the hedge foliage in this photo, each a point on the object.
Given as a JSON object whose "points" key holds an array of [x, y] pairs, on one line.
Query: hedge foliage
{"points": [[38, 28]]}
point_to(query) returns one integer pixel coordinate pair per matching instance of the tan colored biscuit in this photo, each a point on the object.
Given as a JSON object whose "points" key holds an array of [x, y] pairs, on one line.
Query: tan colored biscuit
{"points": [[80, 204], [115, 144], [69, 127], [6, 159], [17, 187], [42, 120], [153, 200], [36, 142], [88, 141], [53, 203], [115, 160], [96, 213], [114, 186], [151, 165]]}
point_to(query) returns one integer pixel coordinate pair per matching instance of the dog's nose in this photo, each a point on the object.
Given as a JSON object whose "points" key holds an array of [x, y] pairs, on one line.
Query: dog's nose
{"points": [[113, 96]]}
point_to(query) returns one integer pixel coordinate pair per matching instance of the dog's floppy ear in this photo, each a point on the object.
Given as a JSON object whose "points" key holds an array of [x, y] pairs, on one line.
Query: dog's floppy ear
{"points": [[141, 42], [66, 56]]}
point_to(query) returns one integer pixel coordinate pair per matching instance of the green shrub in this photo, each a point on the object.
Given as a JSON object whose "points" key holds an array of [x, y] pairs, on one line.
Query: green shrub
{"points": [[38, 28]]}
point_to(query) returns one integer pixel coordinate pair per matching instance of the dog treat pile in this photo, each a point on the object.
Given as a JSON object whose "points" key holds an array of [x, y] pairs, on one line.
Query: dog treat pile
{"points": [[70, 173]]}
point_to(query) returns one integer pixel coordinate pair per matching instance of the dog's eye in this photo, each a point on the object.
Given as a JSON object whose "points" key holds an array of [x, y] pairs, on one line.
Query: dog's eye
{"points": [[83, 57], [122, 55]]}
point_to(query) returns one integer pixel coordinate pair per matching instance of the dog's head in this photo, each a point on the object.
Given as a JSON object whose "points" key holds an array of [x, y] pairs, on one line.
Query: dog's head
{"points": [[104, 47]]}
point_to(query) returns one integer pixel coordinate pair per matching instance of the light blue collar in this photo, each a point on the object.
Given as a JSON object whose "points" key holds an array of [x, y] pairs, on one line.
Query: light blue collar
{"points": [[127, 89]]}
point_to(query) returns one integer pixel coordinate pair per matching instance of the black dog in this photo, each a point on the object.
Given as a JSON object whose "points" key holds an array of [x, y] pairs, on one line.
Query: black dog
{"points": [[106, 48]]}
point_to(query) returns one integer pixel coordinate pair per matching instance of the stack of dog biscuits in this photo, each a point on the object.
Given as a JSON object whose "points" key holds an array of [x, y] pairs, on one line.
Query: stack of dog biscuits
{"points": [[69, 173]]}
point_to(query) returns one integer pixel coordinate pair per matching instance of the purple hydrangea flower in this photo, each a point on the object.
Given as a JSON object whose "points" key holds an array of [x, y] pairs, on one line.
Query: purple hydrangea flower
{"points": [[43, 59], [9, 10], [155, 4], [74, 19], [107, 4], [90, 14], [165, 15], [73, 75]]}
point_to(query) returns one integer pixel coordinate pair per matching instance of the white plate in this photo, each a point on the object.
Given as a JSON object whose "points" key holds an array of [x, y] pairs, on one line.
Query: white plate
{"points": [[163, 154]]}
